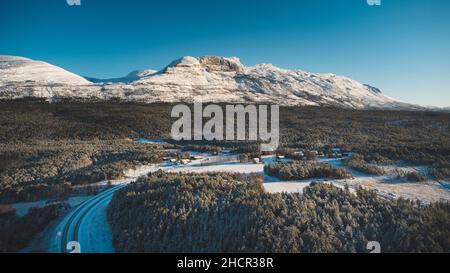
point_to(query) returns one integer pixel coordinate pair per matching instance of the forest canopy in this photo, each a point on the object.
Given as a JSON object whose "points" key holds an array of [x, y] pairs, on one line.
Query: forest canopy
{"points": [[221, 212]]}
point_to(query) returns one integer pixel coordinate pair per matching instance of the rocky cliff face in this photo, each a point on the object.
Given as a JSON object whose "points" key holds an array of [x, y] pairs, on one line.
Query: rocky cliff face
{"points": [[211, 78]]}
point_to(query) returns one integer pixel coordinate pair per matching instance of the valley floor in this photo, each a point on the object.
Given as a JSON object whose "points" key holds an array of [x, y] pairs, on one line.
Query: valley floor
{"points": [[94, 233], [73, 143]]}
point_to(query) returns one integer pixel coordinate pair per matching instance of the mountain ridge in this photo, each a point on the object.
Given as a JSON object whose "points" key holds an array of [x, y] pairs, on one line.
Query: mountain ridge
{"points": [[212, 78], [130, 77]]}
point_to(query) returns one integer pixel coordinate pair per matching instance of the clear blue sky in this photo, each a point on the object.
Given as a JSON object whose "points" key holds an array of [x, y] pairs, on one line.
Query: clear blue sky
{"points": [[402, 46]]}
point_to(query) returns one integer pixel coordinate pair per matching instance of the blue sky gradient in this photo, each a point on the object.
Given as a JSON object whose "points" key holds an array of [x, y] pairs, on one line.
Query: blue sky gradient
{"points": [[401, 47]]}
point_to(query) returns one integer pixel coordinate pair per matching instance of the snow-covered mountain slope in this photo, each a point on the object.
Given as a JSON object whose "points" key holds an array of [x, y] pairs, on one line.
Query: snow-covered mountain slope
{"points": [[210, 78], [18, 70], [22, 77], [131, 77]]}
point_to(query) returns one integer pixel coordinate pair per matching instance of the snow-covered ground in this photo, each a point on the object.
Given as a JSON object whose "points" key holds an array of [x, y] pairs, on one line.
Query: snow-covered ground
{"points": [[288, 187], [94, 233], [299, 186], [390, 186], [231, 167], [387, 185]]}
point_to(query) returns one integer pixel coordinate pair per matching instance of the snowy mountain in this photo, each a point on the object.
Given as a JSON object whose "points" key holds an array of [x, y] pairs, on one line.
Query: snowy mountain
{"points": [[131, 77], [19, 70], [213, 79]]}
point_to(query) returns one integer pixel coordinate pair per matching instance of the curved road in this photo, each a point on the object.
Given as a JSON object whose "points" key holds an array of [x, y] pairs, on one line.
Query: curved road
{"points": [[85, 229], [87, 225]]}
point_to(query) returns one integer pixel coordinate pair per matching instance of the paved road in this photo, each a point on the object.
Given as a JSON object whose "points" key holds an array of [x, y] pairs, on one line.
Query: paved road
{"points": [[87, 226]]}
